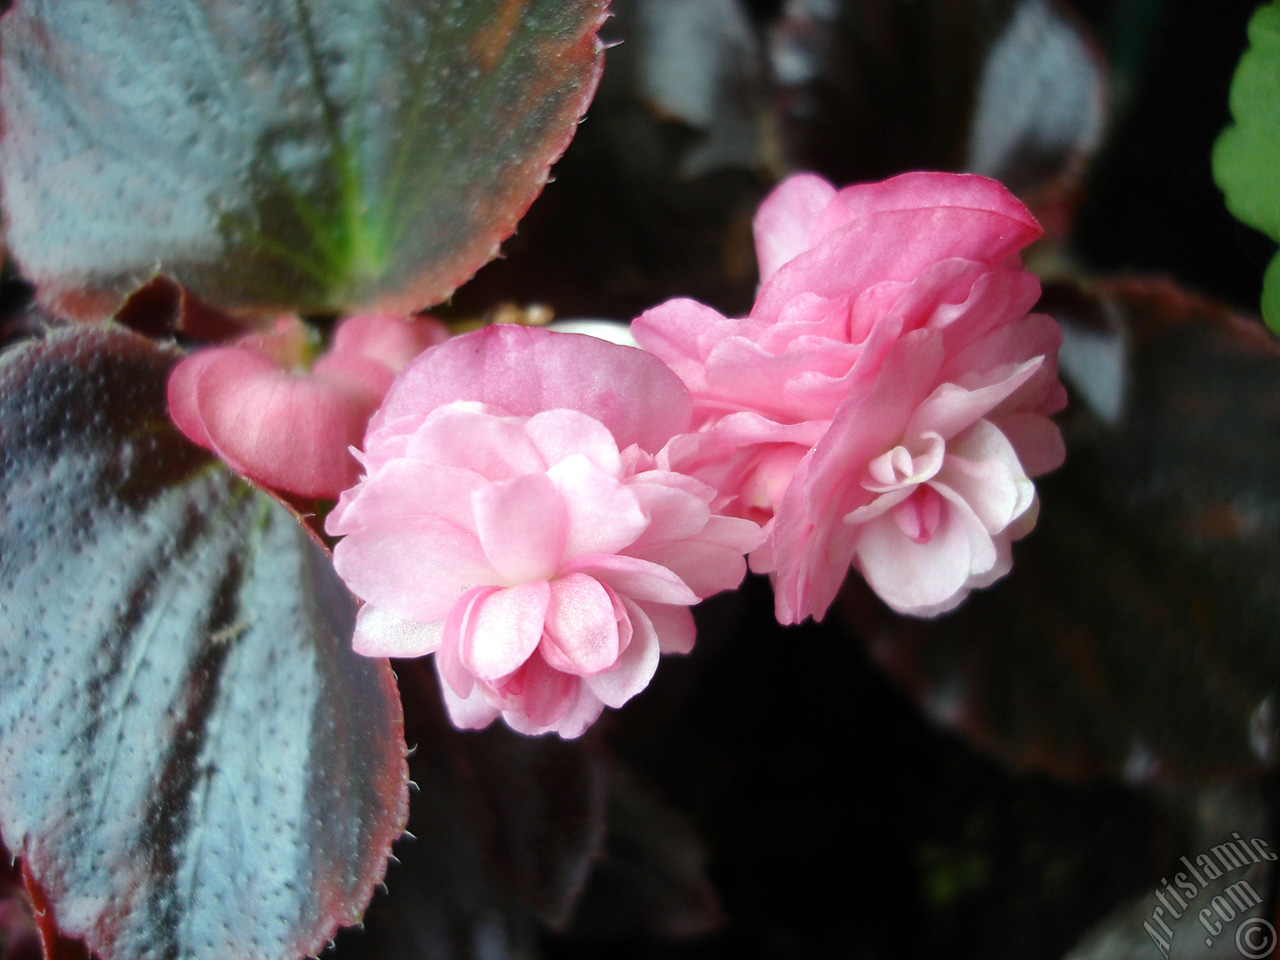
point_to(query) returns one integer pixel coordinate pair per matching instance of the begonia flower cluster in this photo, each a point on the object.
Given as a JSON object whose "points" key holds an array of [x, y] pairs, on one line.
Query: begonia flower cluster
{"points": [[886, 401], [540, 510]]}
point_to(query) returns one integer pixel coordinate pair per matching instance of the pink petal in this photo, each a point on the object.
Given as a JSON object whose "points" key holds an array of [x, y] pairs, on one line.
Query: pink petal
{"points": [[951, 408], [581, 626], [380, 633], [455, 674], [895, 244], [547, 694], [635, 668], [929, 191], [671, 513], [390, 340], [470, 712], [712, 561], [786, 221], [407, 488], [603, 516], [681, 332], [286, 431], [910, 576], [525, 370], [523, 526], [983, 468], [504, 629], [561, 434], [472, 438], [583, 710], [354, 373], [1037, 440], [182, 393], [635, 579], [285, 343], [417, 568], [674, 626]]}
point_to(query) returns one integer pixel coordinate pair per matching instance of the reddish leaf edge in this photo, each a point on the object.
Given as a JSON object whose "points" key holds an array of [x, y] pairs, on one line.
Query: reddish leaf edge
{"points": [[397, 784], [437, 284]]}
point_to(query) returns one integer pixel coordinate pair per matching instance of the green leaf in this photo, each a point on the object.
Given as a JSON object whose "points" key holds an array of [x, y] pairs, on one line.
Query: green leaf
{"points": [[193, 762], [311, 155], [1246, 158]]}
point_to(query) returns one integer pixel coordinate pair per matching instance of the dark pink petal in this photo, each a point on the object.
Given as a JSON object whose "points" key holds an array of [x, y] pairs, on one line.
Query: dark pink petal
{"points": [[932, 191], [525, 370], [894, 244], [286, 431], [548, 694], [354, 373], [388, 339], [523, 526], [809, 544], [184, 408]]}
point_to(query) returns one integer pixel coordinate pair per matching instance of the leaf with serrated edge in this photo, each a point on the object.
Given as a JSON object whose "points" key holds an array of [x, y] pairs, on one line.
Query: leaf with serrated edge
{"points": [[193, 763], [313, 155]]}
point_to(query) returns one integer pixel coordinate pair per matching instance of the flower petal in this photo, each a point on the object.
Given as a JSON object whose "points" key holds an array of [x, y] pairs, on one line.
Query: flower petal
{"points": [[417, 567], [635, 668], [547, 693], [380, 633], [561, 434], [473, 711], [525, 370], [674, 626], [287, 431], [471, 437], [388, 339], [407, 488], [523, 526], [581, 626], [503, 630], [911, 576], [604, 516], [635, 578], [785, 225]]}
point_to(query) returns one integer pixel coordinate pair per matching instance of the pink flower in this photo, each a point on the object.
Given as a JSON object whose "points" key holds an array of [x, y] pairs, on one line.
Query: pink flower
{"points": [[517, 519], [887, 400], [255, 405]]}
